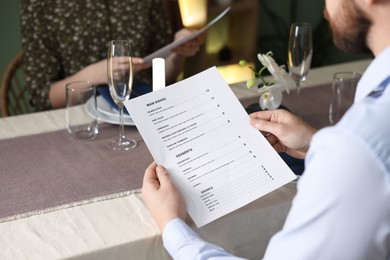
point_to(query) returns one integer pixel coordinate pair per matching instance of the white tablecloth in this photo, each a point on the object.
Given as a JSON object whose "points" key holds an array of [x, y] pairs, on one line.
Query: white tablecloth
{"points": [[122, 228]]}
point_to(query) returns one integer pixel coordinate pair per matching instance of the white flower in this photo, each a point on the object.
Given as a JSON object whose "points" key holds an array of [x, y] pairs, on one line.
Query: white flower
{"points": [[271, 93], [271, 96], [276, 71]]}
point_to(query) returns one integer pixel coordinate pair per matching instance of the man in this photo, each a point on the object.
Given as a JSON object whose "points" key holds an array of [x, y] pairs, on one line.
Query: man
{"points": [[342, 208]]}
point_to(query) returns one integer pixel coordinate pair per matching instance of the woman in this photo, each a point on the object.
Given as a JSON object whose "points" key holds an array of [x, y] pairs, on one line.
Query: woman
{"points": [[66, 41]]}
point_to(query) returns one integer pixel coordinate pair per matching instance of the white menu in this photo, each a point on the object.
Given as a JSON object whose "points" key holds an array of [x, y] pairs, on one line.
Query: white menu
{"points": [[164, 51], [200, 132]]}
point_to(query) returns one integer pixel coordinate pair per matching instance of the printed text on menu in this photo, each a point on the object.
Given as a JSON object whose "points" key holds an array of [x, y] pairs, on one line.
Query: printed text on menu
{"points": [[198, 118]]}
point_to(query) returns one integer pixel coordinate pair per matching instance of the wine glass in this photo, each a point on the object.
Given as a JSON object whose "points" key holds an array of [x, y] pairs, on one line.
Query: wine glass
{"points": [[120, 81], [300, 51]]}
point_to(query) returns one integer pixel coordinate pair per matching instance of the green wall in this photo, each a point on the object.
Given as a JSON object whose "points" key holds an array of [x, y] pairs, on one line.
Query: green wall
{"points": [[10, 42]]}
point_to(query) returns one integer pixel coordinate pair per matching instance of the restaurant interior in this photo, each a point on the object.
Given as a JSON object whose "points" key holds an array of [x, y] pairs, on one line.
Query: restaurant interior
{"points": [[92, 207]]}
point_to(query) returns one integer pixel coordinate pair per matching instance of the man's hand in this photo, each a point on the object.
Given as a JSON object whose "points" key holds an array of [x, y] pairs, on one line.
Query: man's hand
{"points": [[287, 133], [161, 196]]}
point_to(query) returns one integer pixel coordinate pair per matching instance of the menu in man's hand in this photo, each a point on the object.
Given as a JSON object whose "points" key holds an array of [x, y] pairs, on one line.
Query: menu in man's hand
{"points": [[200, 132]]}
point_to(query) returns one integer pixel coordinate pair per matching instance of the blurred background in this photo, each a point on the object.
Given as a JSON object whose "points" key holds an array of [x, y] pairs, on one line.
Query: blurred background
{"points": [[252, 26]]}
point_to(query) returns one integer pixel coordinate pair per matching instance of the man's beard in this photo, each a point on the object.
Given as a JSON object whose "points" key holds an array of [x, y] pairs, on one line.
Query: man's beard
{"points": [[350, 28]]}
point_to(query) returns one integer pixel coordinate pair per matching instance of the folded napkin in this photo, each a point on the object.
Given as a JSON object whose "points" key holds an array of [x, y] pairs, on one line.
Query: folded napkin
{"points": [[139, 89]]}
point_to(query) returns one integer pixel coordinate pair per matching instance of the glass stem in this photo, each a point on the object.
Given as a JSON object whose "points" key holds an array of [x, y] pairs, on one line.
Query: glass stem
{"points": [[121, 124], [298, 112]]}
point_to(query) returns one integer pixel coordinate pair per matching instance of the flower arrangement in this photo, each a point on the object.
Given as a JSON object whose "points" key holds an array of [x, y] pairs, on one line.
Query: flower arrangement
{"points": [[271, 92]]}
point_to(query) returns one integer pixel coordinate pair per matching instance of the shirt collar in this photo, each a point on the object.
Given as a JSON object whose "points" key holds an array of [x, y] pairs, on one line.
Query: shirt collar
{"points": [[376, 72]]}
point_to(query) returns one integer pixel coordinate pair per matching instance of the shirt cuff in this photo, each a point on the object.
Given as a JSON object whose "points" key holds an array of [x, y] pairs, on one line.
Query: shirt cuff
{"points": [[176, 233]]}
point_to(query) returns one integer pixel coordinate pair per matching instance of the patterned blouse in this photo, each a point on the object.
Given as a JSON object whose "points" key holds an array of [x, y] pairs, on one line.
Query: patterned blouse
{"points": [[62, 37]]}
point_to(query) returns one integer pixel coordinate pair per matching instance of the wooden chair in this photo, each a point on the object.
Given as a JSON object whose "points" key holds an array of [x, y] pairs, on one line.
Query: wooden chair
{"points": [[14, 97]]}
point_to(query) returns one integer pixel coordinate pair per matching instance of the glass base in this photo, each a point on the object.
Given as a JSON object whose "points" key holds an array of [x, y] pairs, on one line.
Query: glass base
{"points": [[123, 144], [84, 134]]}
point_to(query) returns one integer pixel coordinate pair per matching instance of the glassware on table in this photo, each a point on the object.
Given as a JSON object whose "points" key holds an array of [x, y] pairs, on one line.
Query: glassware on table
{"points": [[120, 81], [300, 52], [343, 94], [81, 126]]}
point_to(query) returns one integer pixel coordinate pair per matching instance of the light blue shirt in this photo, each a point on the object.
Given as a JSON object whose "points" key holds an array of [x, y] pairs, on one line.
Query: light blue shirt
{"points": [[342, 207]]}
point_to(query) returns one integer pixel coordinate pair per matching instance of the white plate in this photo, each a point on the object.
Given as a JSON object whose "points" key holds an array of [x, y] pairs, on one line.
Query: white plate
{"points": [[106, 113]]}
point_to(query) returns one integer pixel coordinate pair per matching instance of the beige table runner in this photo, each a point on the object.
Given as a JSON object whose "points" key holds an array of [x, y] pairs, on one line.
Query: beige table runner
{"points": [[51, 171]]}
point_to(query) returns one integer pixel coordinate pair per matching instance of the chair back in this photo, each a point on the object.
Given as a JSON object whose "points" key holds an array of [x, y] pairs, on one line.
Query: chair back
{"points": [[14, 96]]}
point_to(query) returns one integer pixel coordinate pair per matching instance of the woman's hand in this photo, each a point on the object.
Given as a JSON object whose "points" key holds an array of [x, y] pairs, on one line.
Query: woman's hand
{"points": [[191, 47], [139, 64]]}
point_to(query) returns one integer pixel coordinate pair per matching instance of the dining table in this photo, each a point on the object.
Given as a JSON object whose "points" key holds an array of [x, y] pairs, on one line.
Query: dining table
{"points": [[66, 199]]}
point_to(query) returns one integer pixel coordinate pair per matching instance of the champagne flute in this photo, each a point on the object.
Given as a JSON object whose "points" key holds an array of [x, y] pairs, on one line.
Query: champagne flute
{"points": [[120, 81], [300, 52]]}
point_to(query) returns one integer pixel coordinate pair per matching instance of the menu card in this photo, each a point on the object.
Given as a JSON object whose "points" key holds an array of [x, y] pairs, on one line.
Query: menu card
{"points": [[164, 51], [198, 130]]}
